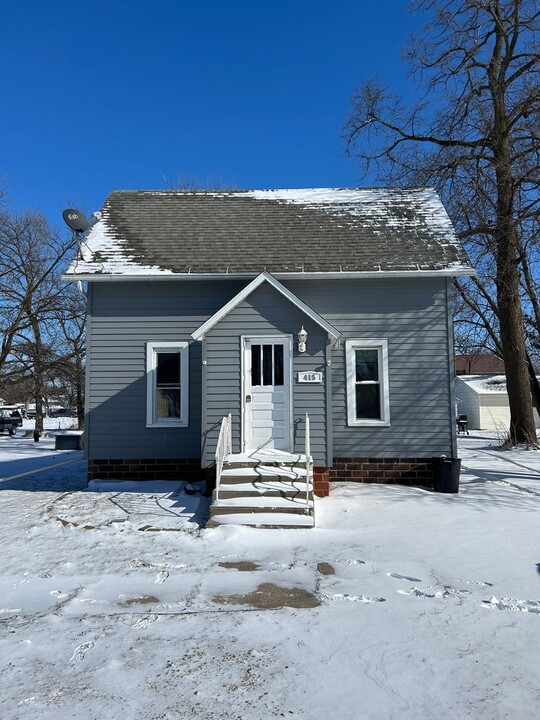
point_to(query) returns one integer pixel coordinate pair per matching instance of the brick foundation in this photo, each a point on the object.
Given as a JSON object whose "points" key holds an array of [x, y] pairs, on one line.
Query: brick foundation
{"points": [[398, 471], [152, 469], [321, 481]]}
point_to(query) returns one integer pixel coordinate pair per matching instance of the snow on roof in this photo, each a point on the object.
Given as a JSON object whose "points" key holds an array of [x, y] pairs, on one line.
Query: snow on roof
{"points": [[485, 384], [103, 251], [322, 230]]}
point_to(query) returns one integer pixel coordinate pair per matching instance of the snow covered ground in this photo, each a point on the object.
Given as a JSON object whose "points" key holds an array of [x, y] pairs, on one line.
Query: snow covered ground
{"points": [[402, 604]]}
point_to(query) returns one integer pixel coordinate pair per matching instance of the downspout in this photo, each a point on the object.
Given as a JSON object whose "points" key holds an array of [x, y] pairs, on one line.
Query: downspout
{"points": [[451, 381]]}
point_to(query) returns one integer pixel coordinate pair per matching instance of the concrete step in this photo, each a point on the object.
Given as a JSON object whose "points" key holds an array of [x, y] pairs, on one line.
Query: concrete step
{"points": [[263, 520], [268, 463], [260, 505], [267, 457], [268, 488], [262, 472], [263, 489]]}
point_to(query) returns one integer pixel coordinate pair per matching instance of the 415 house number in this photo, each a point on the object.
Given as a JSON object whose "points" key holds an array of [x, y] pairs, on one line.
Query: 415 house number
{"points": [[310, 377]]}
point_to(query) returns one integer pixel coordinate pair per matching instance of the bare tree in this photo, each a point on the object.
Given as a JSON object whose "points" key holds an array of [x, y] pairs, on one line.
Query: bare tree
{"points": [[32, 255], [475, 133], [71, 323]]}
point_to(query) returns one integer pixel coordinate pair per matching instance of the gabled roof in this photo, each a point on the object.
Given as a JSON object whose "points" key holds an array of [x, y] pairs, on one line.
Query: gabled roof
{"points": [[264, 277], [485, 384], [172, 234]]}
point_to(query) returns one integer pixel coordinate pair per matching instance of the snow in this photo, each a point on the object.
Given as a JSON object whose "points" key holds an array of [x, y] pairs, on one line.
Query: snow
{"points": [[264, 486], [485, 384], [265, 471], [267, 502], [261, 519], [370, 203], [113, 602], [102, 251], [105, 252], [267, 456], [20, 455]]}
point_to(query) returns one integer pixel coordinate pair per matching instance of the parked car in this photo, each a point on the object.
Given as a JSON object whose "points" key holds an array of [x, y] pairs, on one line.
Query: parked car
{"points": [[15, 412], [62, 412], [10, 420]]}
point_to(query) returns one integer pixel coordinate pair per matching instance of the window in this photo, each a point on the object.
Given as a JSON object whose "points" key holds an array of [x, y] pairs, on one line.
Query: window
{"points": [[267, 364], [368, 401], [167, 378]]}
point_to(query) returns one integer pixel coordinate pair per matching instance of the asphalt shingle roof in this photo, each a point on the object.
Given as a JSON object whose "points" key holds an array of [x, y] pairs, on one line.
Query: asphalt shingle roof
{"points": [[281, 231]]}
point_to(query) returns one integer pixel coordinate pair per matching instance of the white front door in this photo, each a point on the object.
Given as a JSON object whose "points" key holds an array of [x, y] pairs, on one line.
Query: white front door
{"points": [[267, 393]]}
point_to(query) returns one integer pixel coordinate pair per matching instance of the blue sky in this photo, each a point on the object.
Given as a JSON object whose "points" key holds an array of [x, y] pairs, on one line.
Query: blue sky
{"points": [[118, 94]]}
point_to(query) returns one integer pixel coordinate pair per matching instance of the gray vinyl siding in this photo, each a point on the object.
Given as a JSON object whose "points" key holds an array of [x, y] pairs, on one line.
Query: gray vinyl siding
{"points": [[124, 317], [410, 313], [264, 312]]}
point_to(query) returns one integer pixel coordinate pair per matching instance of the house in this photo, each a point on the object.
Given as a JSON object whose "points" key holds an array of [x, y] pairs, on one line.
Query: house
{"points": [[484, 399], [479, 364], [270, 306]]}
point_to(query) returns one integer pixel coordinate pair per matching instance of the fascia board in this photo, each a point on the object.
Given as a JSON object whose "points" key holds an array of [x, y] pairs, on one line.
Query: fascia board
{"points": [[135, 277]]}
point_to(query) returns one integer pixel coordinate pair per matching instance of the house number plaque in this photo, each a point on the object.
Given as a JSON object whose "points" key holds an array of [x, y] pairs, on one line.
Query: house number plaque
{"points": [[310, 377]]}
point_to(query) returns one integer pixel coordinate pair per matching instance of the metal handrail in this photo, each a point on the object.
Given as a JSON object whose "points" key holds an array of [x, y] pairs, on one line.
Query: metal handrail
{"points": [[223, 448], [309, 462]]}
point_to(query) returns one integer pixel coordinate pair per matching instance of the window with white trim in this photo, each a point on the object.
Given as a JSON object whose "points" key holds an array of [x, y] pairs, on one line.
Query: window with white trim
{"points": [[167, 380], [368, 400]]}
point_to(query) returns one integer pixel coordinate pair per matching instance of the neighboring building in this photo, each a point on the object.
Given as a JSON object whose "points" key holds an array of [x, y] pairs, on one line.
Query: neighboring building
{"points": [[479, 364], [483, 398], [195, 305]]}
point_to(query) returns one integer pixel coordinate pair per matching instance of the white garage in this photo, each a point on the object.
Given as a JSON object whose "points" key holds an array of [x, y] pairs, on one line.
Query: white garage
{"points": [[483, 398]]}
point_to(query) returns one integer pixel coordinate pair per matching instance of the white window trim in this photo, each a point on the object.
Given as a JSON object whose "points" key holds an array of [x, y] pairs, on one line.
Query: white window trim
{"points": [[381, 346], [152, 348]]}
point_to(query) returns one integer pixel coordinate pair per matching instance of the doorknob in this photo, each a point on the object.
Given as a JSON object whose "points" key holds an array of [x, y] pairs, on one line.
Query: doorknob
{"points": [[248, 398]]}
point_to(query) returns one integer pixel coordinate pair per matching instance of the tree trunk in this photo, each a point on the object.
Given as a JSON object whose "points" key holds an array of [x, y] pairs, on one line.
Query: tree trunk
{"points": [[38, 377], [522, 426]]}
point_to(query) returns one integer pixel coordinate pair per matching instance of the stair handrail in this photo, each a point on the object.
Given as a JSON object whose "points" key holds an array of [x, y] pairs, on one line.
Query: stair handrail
{"points": [[309, 463], [223, 448]]}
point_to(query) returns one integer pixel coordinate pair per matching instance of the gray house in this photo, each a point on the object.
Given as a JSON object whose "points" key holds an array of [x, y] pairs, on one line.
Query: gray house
{"points": [[270, 306]]}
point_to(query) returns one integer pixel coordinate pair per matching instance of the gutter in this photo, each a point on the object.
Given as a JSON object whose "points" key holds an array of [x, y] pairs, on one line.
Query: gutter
{"points": [[124, 277]]}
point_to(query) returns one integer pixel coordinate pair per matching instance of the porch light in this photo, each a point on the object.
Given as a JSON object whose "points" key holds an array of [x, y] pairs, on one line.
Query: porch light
{"points": [[302, 340]]}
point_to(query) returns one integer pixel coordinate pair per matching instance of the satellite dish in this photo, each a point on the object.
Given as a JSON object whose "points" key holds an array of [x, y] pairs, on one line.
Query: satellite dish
{"points": [[75, 220]]}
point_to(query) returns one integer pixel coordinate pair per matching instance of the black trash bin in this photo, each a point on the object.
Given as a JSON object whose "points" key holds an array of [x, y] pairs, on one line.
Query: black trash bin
{"points": [[446, 474]]}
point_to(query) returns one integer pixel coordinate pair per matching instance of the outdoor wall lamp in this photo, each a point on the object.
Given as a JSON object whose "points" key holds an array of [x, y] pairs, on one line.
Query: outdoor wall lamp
{"points": [[302, 340]]}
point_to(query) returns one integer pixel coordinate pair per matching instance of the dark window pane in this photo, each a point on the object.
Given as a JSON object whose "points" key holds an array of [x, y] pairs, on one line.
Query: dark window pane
{"points": [[267, 364], [255, 365], [278, 364], [368, 402], [168, 403], [168, 368], [367, 366]]}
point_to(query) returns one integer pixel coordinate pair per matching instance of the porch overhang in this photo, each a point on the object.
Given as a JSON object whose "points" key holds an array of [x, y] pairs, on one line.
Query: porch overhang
{"points": [[265, 277]]}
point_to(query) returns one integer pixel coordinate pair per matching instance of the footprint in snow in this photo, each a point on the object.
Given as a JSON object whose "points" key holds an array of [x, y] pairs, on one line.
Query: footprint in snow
{"points": [[397, 576], [138, 563], [58, 594], [144, 621], [355, 598], [162, 576], [432, 592], [532, 606], [81, 651]]}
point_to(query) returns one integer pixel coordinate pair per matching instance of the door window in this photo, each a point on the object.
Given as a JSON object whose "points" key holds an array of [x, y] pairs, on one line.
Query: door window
{"points": [[267, 365]]}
